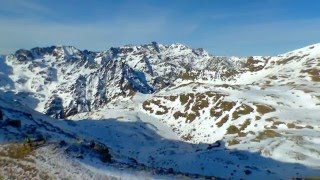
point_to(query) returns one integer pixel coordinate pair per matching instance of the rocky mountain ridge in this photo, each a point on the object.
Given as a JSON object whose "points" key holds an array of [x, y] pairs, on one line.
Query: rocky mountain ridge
{"points": [[182, 99], [65, 79]]}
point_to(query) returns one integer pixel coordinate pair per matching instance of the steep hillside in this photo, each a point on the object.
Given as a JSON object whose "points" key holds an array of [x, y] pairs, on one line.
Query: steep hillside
{"points": [[64, 81], [267, 109], [153, 104]]}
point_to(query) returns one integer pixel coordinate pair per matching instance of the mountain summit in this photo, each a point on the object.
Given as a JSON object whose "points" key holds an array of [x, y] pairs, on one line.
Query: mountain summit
{"points": [[259, 104]]}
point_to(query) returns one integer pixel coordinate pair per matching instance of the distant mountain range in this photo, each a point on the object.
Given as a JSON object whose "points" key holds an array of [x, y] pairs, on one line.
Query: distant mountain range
{"points": [[268, 105]]}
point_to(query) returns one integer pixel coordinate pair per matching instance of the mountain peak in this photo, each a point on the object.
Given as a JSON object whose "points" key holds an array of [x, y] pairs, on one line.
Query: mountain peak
{"points": [[257, 104]]}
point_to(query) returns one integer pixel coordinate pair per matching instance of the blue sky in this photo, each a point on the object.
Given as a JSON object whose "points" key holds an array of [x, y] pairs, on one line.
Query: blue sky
{"points": [[222, 27]]}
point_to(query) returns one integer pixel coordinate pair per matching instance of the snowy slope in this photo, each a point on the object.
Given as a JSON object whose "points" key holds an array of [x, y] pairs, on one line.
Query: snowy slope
{"points": [[263, 111], [64, 81], [168, 108], [139, 149]]}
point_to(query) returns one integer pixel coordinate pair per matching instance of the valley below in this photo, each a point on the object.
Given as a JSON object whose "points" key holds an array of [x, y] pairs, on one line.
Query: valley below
{"points": [[159, 112]]}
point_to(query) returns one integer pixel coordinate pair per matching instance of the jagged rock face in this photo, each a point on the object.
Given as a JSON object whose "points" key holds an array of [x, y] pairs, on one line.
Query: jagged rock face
{"points": [[85, 80], [54, 107], [256, 104]]}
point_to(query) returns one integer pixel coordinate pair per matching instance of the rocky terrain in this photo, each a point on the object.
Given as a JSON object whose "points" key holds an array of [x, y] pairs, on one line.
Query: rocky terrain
{"points": [[233, 117]]}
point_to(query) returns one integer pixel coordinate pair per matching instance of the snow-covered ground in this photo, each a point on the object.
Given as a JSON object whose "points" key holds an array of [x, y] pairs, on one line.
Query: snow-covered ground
{"points": [[161, 112]]}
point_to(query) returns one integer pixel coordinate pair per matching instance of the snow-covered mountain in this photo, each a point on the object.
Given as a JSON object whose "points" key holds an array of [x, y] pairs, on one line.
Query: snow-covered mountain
{"points": [[86, 81], [213, 108]]}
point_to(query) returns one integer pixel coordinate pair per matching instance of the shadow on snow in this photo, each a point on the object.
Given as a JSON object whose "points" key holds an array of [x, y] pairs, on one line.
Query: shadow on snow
{"points": [[139, 142]]}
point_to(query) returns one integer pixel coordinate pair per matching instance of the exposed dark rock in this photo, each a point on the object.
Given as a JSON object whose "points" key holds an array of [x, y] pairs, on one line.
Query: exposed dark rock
{"points": [[42, 51], [170, 171], [102, 150], [24, 55], [62, 143], [55, 107], [14, 123], [214, 145], [1, 115], [247, 172]]}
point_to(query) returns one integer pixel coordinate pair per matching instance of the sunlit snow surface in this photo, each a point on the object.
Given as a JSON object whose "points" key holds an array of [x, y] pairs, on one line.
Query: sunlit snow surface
{"points": [[142, 141]]}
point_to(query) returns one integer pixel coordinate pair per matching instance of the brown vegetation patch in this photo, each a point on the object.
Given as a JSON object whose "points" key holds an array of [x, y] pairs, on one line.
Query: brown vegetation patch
{"points": [[226, 105], [245, 124], [229, 73], [145, 105], [293, 126], [242, 134], [178, 114], [318, 97], [165, 110], [198, 102], [309, 127], [251, 64], [215, 112], [273, 77], [201, 103], [188, 105], [18, 170], [185, 97], [216, 95], [277, 123], [189, 76], [242, 110], [210, 93], [232, 130], [271, 119], [264, 109], [268, 133], [222, 121], [17, 151], [286, 60], [162, 112], [190, 117], [171, 98], [305, 90], [130, 91], [187, 137], [233, 142], [313, 73], [273, 127], [221, 107]]}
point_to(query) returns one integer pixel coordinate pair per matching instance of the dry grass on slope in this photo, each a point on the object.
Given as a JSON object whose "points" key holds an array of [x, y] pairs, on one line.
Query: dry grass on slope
{"points": [[16, 162]]}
